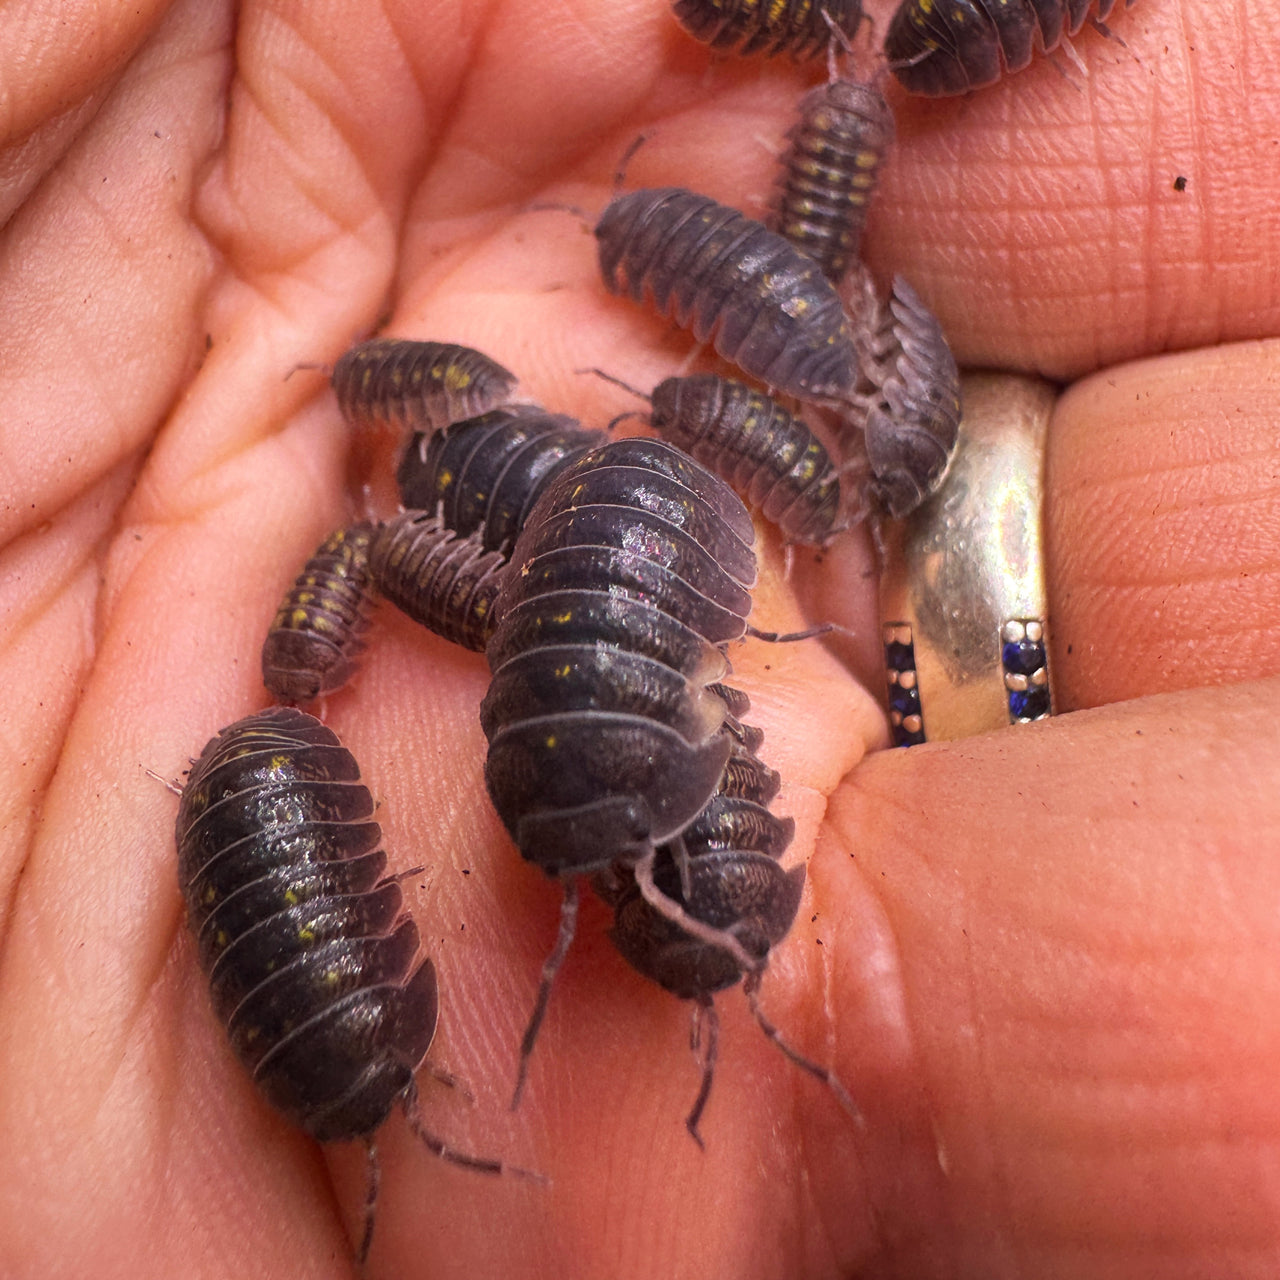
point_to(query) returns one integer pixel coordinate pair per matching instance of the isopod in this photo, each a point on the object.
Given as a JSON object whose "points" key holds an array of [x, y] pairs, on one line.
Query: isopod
{"points": [[936, 50], [802, 28], [485, 473], [735, 882], [830, 170], [763, 304], [318, 630], [768, 456], [313, 965], [445, 582], [913, 414], [417, 386], [605, 739]]}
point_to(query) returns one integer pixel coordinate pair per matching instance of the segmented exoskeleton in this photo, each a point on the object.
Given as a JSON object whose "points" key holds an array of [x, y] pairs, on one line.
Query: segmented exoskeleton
{"points": [[771, 458], [940, 49], [446, 583], [313, 964], [485, 473], [734, 882], [830, 170], [417, 386], [761, 302], [802, 28], [318, 630], [911, 417], [605, 739]]}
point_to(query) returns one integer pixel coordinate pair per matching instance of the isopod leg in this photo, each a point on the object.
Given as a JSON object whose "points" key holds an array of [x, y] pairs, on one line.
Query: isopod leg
{"points": [[373, 1181], [550, 967], [450, 1081], [680, 855], [789, 637], [694, 927], [438, 1146], [751, 988], [704, 1009]]}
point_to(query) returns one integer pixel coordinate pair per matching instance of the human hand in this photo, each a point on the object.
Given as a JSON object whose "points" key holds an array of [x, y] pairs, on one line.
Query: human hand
{"points": [[1044, 961]]}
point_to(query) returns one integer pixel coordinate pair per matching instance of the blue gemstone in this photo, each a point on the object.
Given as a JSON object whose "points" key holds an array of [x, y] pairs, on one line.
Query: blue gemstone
{"points": [[907, 701], [1022, 657], [903, 737], [1029, 704], [900, 657]]}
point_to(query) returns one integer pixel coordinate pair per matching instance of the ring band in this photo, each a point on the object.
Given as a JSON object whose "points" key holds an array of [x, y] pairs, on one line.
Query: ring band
{"points": [[962, 594]]}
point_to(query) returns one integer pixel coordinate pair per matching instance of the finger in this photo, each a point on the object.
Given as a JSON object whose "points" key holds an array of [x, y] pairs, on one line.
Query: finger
{"points": [[58, 54], [99, 276], [1040, 218], [1085, 955], [1163, 526]]}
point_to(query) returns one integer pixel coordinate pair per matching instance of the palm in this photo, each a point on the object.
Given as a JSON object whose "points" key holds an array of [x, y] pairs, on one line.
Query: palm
{"points": [[386, 160]]}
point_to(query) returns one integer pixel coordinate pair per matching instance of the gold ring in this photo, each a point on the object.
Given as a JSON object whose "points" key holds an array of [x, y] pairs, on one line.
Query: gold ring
{"points": [[962, 593]]}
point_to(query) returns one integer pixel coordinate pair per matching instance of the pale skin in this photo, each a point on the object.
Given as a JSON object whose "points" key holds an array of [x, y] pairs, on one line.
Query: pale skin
{"points": [[1046, 962]]}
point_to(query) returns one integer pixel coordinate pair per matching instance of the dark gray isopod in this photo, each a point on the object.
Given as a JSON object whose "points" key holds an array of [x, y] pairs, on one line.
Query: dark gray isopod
{"points": [[583, 785], [313, 965], [761, 302], [937, 50], [802, 28], [830, 170], [446, 583], [768, 456], [912, 415], [912, 428], [485, 473], [734, 883], [417, 386], [604, 737], [318, 630]]}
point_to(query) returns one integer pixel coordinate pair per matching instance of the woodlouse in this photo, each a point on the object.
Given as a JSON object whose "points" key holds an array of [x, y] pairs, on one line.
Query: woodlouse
{"points": [[763, 304], [941, 49], [604, 737], [735, 882], [312, 962], [485, 473], [829, 173], [802, 28], [770, 457], [445, 582], [318, 630], [418, 386], [913, 414]]}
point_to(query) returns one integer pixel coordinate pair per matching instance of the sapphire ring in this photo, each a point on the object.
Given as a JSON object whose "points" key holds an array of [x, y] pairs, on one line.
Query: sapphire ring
{"points": [[962, 591]]}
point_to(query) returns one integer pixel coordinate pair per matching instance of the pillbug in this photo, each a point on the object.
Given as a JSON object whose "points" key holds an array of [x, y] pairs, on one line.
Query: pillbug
{"points": [[802, 28], [313, 965], [445, 582], [485, 473], [735, 882], [767, 455], [605, 740], [936, 50], [913, 414], [318, 629], [763, 304], [829, 172], [418, 386]]}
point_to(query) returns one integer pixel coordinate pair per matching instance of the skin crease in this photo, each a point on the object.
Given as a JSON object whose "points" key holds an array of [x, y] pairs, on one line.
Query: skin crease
{"points": [[1046, 961]]}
